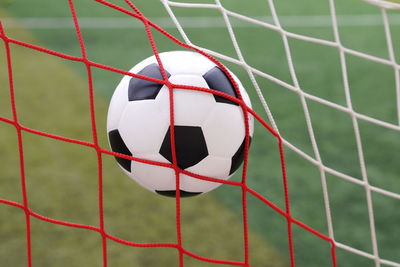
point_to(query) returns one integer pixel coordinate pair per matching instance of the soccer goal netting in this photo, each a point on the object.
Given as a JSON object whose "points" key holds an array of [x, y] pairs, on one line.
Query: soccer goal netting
{"points": [[320, 185]]}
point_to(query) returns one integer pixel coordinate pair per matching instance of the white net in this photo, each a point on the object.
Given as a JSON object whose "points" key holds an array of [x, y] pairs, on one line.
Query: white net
{"points": [[375, 132]]}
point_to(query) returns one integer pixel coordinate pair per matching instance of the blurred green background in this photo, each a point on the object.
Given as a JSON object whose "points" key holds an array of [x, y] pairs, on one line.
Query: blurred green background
{"points": [[51, 95]]}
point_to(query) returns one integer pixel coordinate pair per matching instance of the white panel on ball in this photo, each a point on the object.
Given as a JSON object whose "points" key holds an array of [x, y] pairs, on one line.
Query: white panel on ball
{"points": [[118, 103], [191, 184], [224, 130], [143, 125], [152, 176], [191, 107], [212, 166], [189, 62], [246, 100]]}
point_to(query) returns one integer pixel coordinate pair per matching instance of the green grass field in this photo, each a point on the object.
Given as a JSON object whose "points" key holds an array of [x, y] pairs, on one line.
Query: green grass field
{"points": [[62, 183]]}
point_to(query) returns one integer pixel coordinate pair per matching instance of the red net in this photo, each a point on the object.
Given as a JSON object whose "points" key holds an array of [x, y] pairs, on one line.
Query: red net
{"points": [[99, 150]]}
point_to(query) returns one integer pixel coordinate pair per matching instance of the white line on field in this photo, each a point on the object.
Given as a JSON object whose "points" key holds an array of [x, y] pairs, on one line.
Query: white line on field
{"points": [[195, 22]]}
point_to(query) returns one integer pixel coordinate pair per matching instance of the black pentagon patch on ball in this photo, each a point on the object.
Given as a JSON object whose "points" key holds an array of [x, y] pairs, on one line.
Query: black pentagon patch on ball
{"points": [[118, 145], [219, 81], [182, 193], [141, 89], [190, 146], [238, 158]]}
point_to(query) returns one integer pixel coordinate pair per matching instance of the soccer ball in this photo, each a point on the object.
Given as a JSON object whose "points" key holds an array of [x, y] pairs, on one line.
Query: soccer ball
{"points": [[209, 129]]}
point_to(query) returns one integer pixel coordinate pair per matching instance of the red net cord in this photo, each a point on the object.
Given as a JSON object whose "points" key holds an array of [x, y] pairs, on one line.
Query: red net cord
{"points": [[99, 150]]}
